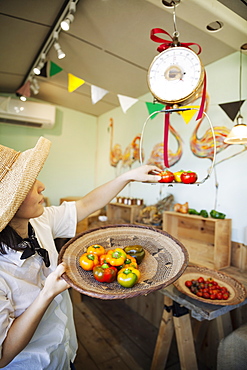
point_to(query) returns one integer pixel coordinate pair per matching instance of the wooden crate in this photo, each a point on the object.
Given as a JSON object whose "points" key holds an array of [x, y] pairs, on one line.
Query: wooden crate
{"points": [[207, 240], [118, 211]]}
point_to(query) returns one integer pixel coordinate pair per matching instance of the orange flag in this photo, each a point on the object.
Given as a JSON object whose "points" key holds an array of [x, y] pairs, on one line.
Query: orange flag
{"points": [[74, 82]]}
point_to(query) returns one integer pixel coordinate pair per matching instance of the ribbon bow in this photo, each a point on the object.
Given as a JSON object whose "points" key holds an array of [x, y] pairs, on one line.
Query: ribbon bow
{"points": [[167, 43], [31, 246]]}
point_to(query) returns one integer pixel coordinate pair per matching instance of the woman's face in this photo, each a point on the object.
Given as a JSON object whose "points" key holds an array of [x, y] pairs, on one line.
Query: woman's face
{"points": [[32, 206]]}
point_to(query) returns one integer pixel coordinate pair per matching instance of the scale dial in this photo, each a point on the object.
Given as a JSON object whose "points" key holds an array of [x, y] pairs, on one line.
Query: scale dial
{"points": [[176, 76]]}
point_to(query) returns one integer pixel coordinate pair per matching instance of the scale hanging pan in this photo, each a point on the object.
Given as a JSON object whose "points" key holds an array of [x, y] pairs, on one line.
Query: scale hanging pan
{"points": [[175, 78]]}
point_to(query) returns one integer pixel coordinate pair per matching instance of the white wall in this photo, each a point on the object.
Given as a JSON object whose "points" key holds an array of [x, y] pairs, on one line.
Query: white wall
{"points": [[231, 198], [70, 167]]}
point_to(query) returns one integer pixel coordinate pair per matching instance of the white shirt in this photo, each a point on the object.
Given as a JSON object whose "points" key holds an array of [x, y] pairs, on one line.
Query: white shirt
{"points": [[54, 343]]}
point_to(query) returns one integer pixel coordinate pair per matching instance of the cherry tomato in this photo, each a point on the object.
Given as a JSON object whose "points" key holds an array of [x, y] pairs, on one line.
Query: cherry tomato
{"points": [[200, 280], [225, 295], [166, 176], [189, 177], [188, 283], [219, 296]]}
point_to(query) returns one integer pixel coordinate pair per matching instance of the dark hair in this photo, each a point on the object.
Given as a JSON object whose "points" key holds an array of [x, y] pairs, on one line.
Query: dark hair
{"points": [[8, 239]]}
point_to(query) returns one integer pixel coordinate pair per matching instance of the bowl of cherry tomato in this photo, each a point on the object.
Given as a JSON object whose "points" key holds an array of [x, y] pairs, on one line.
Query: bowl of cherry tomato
{"points": [[210, 286]]}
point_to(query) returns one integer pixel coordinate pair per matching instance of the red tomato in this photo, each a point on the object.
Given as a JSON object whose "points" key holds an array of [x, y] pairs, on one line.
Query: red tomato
{"points": [[206, 295], [166, 176], [189, 177], [200, 280], [212, 296], [219, 296], [225, 295], [188, 283]]}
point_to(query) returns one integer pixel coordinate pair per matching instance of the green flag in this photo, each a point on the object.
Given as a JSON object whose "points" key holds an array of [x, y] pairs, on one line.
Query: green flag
{"points": [[54, 69], [152, 107]]}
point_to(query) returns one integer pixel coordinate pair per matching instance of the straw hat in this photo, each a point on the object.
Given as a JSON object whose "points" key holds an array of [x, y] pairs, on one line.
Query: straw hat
{"points": [[18, 171]]}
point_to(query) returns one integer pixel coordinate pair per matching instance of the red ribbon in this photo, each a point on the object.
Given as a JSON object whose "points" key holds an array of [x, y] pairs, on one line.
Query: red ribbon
{"points": [[167, 43], [166, 132]]}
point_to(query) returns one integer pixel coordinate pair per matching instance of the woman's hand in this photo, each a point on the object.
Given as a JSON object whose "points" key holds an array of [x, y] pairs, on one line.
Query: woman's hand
{"points": [[54, 283], [144, 173]]}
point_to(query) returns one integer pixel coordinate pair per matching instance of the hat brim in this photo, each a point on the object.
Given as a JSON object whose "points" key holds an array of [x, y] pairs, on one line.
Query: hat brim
{"points": [[19, 180]]}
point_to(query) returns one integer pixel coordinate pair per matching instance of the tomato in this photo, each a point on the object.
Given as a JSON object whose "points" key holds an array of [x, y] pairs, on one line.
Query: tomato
{"points": [[225, 295], [188, 283], [206, 295], [166, 176], [219, 296], [189, 177], [212, 296], [200, 280]]}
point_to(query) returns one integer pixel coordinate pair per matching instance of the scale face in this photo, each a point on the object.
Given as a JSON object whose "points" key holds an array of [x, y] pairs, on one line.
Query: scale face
{"points": [[175, 76]]}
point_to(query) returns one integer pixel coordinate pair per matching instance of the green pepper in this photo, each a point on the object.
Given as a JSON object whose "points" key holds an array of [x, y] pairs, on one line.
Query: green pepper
{"points": [[128, 277], [204, 213], [216, 214], [192, 211], [135, 251], [105, 273]]}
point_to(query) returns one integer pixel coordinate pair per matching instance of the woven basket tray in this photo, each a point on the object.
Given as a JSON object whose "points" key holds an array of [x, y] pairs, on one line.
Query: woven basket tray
{"points": [[165, 260]]}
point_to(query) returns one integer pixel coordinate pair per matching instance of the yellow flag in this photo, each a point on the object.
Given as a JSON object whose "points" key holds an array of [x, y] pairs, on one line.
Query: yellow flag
{"points": [[188, 114], [74, 82]]}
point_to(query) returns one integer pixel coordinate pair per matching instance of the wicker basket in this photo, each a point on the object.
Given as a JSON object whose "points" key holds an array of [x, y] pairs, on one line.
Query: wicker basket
{"points": [[164, 262]]}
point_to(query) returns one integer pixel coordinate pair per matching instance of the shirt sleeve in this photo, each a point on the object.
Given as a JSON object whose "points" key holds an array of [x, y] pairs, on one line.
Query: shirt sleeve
{"points": [[62, 220], [6, 313]]}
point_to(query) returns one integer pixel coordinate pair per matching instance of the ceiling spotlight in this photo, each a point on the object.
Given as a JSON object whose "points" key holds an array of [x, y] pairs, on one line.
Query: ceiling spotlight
{"points": [[60, 53], [34, 86], [38, 68], [65, 24]]}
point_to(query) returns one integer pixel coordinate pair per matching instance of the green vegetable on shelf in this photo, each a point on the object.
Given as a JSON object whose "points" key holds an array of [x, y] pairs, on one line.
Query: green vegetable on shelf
{"points": [[192, 211], [204, 213], [216, 214]]}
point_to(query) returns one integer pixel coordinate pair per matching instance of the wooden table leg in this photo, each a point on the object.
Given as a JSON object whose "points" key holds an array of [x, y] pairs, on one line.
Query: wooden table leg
{"points": [[224, 325], [164, 338], [185, 342]]}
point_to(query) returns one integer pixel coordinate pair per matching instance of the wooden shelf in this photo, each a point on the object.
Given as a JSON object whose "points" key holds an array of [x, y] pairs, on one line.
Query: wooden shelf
{"points": [[208, 240], [127, 213]]}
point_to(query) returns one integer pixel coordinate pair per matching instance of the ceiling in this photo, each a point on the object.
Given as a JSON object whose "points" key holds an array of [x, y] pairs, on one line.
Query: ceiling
{"points": [[108, 44]]}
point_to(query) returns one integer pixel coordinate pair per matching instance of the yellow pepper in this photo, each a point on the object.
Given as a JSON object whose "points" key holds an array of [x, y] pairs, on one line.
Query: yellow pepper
{"points": [[116, 257], [177, 175]]}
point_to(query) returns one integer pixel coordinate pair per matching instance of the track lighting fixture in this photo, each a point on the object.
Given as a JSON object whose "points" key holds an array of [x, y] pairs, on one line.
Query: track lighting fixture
{"points": [[67, 16], [60, 53], [34, 86], [40, 65], [65, 24]]}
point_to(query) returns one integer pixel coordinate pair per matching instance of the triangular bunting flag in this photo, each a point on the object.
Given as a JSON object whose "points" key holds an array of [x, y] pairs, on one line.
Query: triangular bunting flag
{"points": [[43, 71], [126, 102], [24, 90], [231, 109], [188, 114], [54, 69], [152, 107], [97, 93], [74, 82], [4, 105]]}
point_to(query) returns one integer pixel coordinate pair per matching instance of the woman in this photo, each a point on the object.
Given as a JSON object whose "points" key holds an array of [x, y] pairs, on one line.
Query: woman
{"points": [[36, 320]]}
